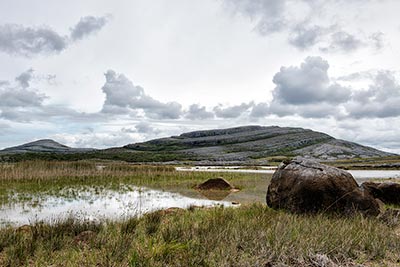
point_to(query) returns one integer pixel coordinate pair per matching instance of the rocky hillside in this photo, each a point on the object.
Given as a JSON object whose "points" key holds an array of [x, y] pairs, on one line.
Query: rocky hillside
{"points": [[240, 145], [257, 143], [42, 146]]}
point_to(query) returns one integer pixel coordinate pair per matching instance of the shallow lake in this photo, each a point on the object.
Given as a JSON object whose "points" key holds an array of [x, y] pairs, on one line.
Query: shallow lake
{"points": [[92, 205], [98, 203]]}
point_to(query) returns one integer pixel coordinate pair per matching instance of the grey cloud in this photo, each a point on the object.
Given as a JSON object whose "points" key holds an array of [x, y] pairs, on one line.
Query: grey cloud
{"points": [[141, 127], [308, 83], [309, 92], [197, 112], [86, 26], [362, 75], [20, 96], [27, 41], [19, 102], [19, 40], [24, 78], [260, 110], [380, 100], [268, 14], [146, 128], [157, 110], [232, 111], [324, 110], [342, 41], [304, 36], [271, 16], [377, 39], [123, 96]]}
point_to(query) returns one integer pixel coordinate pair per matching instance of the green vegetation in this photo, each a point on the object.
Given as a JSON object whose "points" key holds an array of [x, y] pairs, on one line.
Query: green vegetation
{"points": [[249, 235], [246, 236], [18, 181], [381, 163], [115, 154]]}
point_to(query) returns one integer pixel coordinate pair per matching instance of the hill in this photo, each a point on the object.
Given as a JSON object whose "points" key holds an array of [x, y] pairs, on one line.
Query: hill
{"points": [[258, 142], [239, 145], [43, 146]]}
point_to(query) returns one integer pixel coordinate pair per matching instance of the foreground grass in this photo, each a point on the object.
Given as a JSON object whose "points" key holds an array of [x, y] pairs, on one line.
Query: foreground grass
{"points": [[251, 235]]}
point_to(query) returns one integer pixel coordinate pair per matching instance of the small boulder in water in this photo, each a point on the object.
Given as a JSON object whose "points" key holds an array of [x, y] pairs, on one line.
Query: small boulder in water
{"points": [[215, 184]]}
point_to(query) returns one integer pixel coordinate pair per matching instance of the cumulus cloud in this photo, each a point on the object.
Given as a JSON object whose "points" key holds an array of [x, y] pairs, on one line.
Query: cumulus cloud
{"points": [[28, 41], [307, 84], [87, 26], [232, 111], [197, 112], [308, 91], [122, 97]]}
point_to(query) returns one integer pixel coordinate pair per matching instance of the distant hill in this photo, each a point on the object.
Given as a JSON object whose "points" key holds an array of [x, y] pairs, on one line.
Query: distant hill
{"points": [[239, 145], [43, 146], [258, 142]]}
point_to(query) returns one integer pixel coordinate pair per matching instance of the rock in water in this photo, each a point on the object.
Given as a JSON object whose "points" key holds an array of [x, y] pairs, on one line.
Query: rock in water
{"points": [[215, 184], [303, 186], [388, 193]]}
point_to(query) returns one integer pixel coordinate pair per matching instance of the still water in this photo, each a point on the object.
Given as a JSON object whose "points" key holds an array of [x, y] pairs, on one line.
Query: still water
{"points": [[98, 204], [91, 205]]}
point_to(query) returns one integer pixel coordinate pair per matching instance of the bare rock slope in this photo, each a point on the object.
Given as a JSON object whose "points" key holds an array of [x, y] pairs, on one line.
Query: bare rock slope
{"points": [[258, 142]]}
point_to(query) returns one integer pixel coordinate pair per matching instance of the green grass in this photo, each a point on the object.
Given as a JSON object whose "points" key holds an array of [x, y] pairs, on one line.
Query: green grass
{"points": [[251, 235], [19, 182], [379, 163]]}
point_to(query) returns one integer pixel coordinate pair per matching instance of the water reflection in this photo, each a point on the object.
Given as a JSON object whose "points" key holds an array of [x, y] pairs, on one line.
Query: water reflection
{"points": [[215, 194], [96, 206]]}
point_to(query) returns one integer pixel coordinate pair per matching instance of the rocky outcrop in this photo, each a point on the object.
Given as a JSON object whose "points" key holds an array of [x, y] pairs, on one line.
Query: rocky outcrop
{"points": [[305, 186], [215, 184], [257, 142], [388, 193]]}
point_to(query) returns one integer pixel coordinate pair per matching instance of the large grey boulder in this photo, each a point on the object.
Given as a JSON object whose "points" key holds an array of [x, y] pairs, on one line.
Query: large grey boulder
{"points": [[306, 186]]}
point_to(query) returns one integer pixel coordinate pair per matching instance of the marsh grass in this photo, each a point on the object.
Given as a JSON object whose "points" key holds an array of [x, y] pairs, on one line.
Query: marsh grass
{"points": [[20, 181], [251, 235]]}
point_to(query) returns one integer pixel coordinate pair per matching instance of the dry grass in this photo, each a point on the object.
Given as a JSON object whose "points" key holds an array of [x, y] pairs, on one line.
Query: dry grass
{"points": [[251, 235], [247, 236]]}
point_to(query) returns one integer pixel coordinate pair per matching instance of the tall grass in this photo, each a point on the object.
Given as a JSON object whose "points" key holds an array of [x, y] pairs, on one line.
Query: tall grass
{"points": [[52, 170], [19, 181], [246, 236]]}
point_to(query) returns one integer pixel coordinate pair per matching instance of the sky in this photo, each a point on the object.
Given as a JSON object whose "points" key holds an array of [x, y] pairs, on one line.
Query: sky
{"points": [[99, 73]]}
